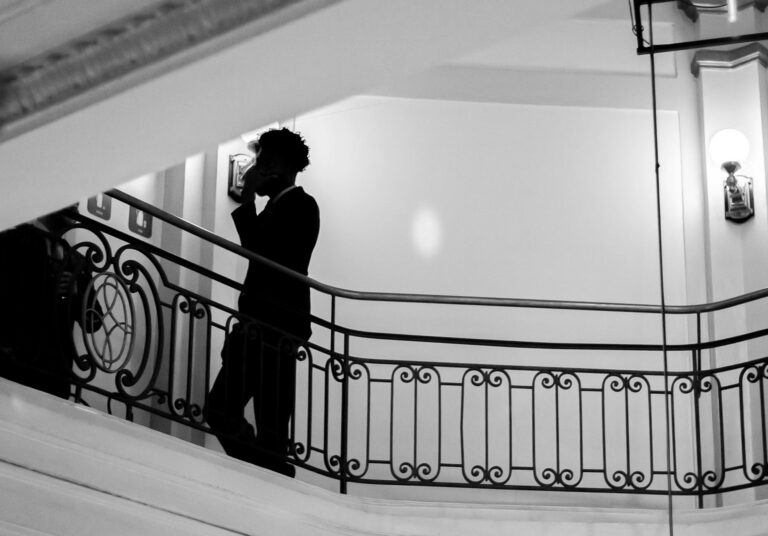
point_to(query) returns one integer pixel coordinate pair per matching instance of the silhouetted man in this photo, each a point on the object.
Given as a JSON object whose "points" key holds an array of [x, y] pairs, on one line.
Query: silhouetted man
{"points": [[259, 358]]}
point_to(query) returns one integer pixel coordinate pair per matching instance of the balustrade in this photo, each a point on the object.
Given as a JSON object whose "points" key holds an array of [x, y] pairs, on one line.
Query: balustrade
{"points": [[516, 421]]}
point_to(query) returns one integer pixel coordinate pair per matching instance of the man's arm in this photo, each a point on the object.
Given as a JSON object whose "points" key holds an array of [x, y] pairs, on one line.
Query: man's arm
{"points": [[245, 215], [244, 218]]}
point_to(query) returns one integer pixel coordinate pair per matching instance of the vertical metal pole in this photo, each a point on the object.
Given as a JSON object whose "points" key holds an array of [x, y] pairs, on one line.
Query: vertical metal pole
{"points": [[333, 325], [627, 430], [639, 27], [415, 419], [327, 389], [665, 357], [190, 358], [557, 425], [207, 357], [696, 409], [344, 415], [344, 387]]}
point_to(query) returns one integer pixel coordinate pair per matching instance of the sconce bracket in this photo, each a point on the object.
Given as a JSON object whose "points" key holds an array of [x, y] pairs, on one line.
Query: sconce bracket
{"points": [[738, 198], [238, 164]]}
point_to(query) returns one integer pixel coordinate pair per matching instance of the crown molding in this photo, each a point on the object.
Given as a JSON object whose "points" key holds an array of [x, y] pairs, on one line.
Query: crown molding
{"points": [[155, 40], [692, 8], [728, 59]]}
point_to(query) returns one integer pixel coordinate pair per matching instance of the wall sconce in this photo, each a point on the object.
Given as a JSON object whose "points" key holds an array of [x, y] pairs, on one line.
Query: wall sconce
{"points": [[729, 148], [238, 164]]}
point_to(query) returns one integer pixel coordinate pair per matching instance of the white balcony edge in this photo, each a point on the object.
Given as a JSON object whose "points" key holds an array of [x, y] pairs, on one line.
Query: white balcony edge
{"points": [[66, 469]]}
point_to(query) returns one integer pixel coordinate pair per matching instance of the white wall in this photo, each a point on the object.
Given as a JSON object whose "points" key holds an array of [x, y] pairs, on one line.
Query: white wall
{"points": [[531, 202], [543, 202], [520, 193]]}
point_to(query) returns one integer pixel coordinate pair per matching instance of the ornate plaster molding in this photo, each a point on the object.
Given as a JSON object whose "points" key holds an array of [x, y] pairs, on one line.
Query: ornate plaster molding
{"points": [[113, 53], [692, 8], [728, 59]]}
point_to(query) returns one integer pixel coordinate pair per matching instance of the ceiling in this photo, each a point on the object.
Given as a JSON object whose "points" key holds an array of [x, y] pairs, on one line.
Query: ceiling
{"points": [[29, 28], [592, 35], [102, 45], [98, 139]]}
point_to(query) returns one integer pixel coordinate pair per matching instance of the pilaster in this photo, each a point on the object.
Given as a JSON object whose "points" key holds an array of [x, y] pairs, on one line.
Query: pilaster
{"points": [[733, 95]]}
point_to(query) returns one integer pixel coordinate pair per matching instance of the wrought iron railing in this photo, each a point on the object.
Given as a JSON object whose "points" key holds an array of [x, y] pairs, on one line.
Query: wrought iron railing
{"points": [[429, 409]]}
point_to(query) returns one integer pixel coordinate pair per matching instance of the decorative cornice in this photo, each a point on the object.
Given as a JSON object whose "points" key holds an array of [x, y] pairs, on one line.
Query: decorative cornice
{"points": [[692, 8], [111, 53], [728, 59]]}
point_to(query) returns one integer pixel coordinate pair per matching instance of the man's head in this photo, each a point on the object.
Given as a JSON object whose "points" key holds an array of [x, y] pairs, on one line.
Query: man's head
{"points": [[280, 156]]}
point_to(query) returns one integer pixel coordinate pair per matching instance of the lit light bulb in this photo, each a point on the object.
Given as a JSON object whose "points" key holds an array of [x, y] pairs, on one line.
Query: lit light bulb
{"points": [[732, 10], [728, 145]]}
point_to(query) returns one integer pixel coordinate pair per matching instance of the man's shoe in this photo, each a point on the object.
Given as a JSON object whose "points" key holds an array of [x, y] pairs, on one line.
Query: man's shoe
{"points": [[272, 462]]}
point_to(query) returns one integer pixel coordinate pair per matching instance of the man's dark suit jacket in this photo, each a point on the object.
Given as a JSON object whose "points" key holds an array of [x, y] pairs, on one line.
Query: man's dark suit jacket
{"points": [[285, 232]]}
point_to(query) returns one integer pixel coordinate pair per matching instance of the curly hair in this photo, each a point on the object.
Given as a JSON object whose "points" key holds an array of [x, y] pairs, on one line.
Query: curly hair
{"points": [[287, 143]]}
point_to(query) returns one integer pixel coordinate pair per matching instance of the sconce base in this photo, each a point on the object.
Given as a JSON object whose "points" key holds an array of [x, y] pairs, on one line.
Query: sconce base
{"points": [[731, 167], [738, 198], [739, 215]]}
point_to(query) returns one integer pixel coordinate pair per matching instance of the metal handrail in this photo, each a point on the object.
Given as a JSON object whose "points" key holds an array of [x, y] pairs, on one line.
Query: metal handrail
{"points": [[207, 235], [339, 376]]}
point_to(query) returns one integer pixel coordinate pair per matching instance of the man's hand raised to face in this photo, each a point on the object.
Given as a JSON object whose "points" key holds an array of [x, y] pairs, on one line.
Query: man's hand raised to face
{"points": [[249, 185], [249, 177]]}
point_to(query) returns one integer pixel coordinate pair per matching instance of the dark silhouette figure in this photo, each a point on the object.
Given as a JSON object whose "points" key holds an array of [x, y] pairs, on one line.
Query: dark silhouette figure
{"points": [[42, 288], [259, 358]]}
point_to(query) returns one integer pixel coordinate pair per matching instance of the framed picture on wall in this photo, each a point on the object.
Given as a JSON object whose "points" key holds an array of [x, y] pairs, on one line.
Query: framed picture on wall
{"points": [[100, 206], [238, 164], [140, 222]]}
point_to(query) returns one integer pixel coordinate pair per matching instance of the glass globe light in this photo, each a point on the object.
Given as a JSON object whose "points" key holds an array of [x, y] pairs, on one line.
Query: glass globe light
{"points": [[728, 145]]}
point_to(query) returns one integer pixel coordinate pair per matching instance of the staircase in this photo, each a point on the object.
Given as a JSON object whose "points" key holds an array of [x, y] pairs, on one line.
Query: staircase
{"points": [[424, 445], [69, 470]]}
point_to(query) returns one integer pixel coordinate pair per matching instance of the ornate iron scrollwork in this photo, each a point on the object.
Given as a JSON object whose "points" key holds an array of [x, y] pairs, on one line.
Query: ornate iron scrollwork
{"points": [[532, 427], [111, 345]]}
